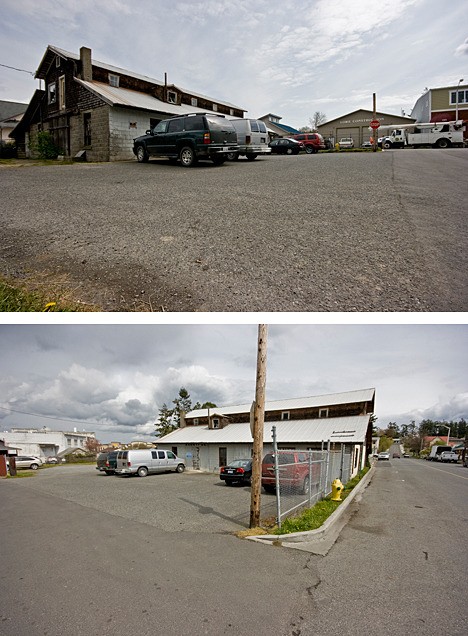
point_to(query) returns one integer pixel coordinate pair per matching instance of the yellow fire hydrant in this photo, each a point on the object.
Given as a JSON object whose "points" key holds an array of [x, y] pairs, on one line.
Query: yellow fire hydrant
{"points": [[337, 489]]}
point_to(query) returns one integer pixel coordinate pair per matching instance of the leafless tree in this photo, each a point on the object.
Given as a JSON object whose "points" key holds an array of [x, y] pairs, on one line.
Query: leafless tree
{"points": [[317, 119]]}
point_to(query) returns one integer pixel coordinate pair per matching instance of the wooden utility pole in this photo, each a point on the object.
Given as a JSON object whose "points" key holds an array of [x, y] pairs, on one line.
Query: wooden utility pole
{"points": [[374, 114], [257, 427]]}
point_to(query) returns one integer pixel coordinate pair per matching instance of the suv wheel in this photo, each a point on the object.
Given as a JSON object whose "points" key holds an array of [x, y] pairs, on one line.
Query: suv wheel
{"points": [[142, 155], [309, 150], [187, 157], [218, 161], [233, 156], [34, 466], [251, 157]]}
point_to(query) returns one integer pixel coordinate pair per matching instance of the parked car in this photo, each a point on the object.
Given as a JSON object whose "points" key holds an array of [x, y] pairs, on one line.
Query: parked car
{"points": [[346, 142], [449, 456], [101, 462], [237, 472], [142, 462], [406, 454], [188, 138], [53, 460], [367, 144], [396, 456], [293, 471], [285, 146], [27, 461], [384, 455], [312, 142], [252, 138]]}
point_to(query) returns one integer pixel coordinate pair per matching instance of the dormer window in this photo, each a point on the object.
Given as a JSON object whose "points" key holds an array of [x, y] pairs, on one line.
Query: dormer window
{"points": [[323, 412], [285, 415], [194, 101], [114, 80], [215, 422], [215, 107], [171, 97]]}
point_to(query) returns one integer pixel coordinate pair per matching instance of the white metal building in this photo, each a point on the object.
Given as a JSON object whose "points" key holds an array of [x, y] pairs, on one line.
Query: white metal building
{"points": [[44, 442]]}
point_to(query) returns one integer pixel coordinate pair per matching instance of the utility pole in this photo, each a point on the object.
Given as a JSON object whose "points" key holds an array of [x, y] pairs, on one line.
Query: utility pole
{"points": [[257, 427]]}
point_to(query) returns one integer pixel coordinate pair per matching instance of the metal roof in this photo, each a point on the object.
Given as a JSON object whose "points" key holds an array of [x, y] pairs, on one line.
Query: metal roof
{"points": [[134, 99], [335, 429], [331, 399]]}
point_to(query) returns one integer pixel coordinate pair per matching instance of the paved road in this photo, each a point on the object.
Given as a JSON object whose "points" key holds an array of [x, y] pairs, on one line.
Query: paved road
{"points": [[398, 568], [331, 232]]}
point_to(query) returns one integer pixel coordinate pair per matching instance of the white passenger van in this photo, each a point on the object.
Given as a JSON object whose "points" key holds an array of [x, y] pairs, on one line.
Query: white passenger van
{"points": [[252, 137], [143, 462]]}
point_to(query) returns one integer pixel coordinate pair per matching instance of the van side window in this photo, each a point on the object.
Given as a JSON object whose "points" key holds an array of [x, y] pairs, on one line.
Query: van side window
{"points": [[161, 455], [262, 127], [254, 126], [154, 454], [170, 455]]}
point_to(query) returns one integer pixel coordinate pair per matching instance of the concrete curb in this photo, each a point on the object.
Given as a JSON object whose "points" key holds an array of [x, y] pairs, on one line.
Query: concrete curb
{"points": [[320, 541]]}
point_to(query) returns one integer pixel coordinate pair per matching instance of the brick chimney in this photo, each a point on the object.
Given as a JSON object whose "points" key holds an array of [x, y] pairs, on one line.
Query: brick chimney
{"points": [[86, 66]]}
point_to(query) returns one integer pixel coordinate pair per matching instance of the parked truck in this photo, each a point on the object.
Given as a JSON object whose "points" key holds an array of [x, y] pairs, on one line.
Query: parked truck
{"points": [[438, 135], [449, 456], [436, 452]]}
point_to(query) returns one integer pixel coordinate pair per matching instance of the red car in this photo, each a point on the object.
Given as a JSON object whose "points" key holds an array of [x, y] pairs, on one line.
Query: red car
{"points": [[312, 142], [294, 472]]}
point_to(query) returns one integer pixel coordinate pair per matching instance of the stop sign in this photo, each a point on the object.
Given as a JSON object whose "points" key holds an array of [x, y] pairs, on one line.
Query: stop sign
{"points": [[375, 124]]}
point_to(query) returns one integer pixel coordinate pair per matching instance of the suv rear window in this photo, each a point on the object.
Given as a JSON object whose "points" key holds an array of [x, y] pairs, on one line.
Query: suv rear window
{"points": [[219, 122], [194, 123]]}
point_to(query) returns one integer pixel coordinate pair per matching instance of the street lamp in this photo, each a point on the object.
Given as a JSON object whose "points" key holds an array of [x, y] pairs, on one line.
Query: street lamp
{"points": [[456, 99], [445, 425]]}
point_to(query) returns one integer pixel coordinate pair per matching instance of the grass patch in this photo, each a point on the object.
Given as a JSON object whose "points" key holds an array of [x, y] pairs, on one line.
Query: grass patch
{"points": [[30, 297], [22, 473]]}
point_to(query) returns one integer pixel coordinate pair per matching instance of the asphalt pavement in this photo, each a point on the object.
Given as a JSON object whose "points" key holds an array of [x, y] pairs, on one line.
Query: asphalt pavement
{"points": [[398, 567], [330, 232]]}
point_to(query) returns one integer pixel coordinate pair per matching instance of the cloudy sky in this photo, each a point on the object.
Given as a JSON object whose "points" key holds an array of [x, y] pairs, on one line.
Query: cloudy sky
{"points": [[289, 57], [112, 379]]}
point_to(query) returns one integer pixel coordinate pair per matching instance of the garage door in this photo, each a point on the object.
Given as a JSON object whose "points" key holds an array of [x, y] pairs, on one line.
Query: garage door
{"points": [[348, 132]]}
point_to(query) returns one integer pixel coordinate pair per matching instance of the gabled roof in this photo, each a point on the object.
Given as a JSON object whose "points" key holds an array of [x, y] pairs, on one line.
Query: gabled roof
{"points": [[335, 429], [52, 51], [330, 399], [10, 110], [288, 129], [365, 110]]}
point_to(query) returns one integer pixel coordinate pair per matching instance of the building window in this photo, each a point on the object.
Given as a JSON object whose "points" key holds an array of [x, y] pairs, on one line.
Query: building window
{"points": [[114, 80], [215, 422], [87, 128], [171, 97], [194, 101], [231, 111], [285, 415], [68, 442], [174, 450], [222, 456], [462, 97], [323, 412], [52, 93], [62, 92], [195, 421], [57, 61], [215, 107]]}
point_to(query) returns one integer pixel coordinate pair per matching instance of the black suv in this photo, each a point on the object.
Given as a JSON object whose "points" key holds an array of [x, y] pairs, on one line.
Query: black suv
{"points": [[189, 138]]}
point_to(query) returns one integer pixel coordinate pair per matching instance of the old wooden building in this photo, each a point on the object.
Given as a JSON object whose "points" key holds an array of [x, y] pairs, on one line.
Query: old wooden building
{"points": [[209, 438], [95, 110]]}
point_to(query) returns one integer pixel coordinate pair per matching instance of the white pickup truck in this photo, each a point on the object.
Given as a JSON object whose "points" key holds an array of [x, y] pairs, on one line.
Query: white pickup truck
{"points": [[448, 456], [346, 142]]}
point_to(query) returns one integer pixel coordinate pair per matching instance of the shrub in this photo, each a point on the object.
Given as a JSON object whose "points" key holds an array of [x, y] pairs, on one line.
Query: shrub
{"points": [[44, 145]]}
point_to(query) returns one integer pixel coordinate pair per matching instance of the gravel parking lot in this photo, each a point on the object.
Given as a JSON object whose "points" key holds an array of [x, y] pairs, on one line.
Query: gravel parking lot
{"points": [[190, 502], [329, 232]]}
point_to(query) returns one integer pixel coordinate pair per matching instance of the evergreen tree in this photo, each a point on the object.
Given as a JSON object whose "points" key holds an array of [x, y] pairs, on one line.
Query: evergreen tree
{"points": [[181, 403], [165, 424]]}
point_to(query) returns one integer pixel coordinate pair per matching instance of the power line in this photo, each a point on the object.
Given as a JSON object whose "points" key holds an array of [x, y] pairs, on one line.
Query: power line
{"points": [[46, 417], [18, 69]]}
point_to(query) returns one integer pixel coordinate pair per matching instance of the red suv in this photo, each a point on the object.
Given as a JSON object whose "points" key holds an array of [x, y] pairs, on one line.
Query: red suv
{"points": [[313, 142], [293, 471]]}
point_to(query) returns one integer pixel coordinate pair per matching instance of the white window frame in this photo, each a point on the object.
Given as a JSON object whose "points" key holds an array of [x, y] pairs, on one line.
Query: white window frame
{"points": [[194, 101], [195, 421], [453, 97], [323, 412], [61, 92], [285, 416], [171, 97], [57, 61], [216, 422], [114, 80], [215, 108]]}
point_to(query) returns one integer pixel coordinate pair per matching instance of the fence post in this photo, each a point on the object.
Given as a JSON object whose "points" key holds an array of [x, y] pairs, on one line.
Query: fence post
{"points": [[277, 480], [341, 462], [310, 478]]}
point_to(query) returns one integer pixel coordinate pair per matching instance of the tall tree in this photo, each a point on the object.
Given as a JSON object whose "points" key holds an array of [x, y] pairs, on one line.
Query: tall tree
{"points": [[182, 402], [317, 119], [164, 424]]}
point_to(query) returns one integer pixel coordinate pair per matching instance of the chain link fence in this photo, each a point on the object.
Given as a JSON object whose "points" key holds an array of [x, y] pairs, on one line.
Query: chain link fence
{"points": [[301, 478]]}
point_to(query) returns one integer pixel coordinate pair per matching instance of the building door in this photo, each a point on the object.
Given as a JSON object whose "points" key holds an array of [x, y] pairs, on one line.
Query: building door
{"points": [[196, 458], [222, 456], [356, 457]]}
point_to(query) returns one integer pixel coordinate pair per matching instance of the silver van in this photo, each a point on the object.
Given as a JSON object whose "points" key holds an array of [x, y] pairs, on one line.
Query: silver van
{"points": [[252, 137], [143, 462]]}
